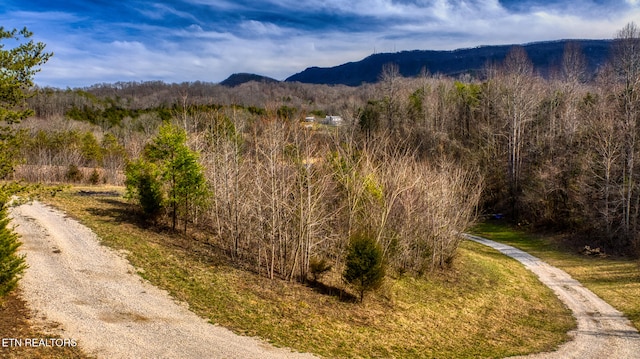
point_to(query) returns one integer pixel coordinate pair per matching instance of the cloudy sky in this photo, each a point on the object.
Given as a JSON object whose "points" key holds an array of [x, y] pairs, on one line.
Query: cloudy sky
{"points": [[96, 41]]}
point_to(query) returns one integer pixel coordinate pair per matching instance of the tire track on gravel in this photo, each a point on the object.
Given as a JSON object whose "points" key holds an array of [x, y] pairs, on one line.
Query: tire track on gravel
{"points": [[98, 299], [603, 332]]}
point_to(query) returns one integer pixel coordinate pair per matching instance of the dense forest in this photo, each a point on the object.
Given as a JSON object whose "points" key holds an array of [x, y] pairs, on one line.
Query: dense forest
{"points": [[414, 163]]}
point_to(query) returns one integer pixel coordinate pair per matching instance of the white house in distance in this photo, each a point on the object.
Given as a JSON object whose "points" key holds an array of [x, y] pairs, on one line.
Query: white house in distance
{"points": [[333, 120]]}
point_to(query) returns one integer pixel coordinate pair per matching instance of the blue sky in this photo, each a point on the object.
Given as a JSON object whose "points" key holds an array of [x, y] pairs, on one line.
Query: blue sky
{"points": [[96, 41]]}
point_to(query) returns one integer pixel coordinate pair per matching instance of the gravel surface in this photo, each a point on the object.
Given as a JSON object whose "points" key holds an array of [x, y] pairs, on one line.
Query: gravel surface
{"points": [[111, 312], [603, 332], [100, 302]]}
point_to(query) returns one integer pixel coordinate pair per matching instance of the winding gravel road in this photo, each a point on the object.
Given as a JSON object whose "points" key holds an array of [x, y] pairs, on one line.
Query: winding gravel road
{"points": [[603, 332], [110, 311], [95, 295]]}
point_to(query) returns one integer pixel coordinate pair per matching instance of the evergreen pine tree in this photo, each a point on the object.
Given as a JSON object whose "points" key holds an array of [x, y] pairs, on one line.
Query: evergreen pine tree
{"points": [[168, 176], [19, 63], [11, 264], [143, 185], [364, 264]]}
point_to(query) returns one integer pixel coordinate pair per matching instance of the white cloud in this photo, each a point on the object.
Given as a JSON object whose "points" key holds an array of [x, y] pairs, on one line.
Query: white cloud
{"points": [[159, 11], [26, 18], [253, 28], [197, 52], [195, 28]]}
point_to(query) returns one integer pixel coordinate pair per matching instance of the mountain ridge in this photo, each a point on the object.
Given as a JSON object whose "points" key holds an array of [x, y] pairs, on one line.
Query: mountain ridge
{"points": [[240, 78], [546, 57]]}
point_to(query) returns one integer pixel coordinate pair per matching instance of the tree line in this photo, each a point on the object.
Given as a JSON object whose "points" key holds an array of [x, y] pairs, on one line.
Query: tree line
{"points": [[557, 152], [417, 159]]}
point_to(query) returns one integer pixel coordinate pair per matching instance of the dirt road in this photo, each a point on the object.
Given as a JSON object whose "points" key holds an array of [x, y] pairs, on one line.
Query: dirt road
{"points": [[109, 310], [603, 332]]}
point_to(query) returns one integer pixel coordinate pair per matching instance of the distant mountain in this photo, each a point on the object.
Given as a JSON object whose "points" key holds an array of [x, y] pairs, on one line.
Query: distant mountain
{"points": [[546, 56], [239, 79]]}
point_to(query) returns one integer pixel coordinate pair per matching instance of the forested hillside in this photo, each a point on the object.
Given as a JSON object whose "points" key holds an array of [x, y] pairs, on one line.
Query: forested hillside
{"points": [[546, 58], [416, 160]]}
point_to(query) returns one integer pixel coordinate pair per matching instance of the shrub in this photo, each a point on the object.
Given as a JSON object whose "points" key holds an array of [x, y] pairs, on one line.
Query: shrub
{"points": [[94, 178], [318, 267], [73, 174], [365, 268], [143, 184], [11, 264]]}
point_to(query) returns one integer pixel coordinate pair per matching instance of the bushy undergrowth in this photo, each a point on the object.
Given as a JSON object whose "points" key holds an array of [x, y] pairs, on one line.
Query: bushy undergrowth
{"points": [[448, 314]]}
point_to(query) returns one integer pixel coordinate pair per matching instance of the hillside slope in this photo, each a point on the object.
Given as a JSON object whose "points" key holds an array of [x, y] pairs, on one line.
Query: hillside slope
{"points": [[546, 57]]}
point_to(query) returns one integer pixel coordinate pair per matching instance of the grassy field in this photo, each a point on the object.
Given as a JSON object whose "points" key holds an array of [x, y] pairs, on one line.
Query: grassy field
{"points": [[486, 306], [616, 280]]}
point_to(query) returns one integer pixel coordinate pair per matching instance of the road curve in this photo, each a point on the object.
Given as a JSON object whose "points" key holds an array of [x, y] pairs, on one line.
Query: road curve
{"points": [[99, 301], [111, 312], [603, 332]]}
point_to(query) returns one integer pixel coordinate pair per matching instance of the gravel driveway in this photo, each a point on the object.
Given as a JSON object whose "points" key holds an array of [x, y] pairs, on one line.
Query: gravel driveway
{"points": [[603, 332], [109, 310]]}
